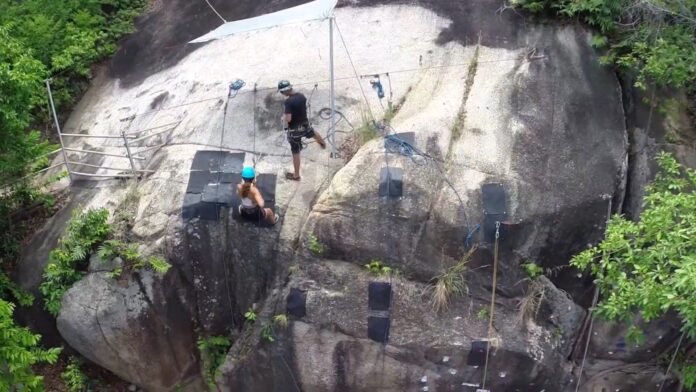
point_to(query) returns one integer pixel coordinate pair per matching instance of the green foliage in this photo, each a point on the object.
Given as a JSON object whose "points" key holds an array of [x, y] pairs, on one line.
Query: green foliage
{"points": [[115, 273], [532, 269], [376, 267], [250, 315], [19, 351], [267, 333], [67, 263], [41, 39], [21, 89], [649, 266], [688, 373], [654, 38], [483, 314], [158, 264], [635, 336], [73, 377], [213, 351], [7, 286], [19, 206], [131, 257], [280, 320], [314, 245]]}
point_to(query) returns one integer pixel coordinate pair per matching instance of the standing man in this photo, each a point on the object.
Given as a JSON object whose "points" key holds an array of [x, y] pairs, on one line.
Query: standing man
{"points": [[296, 125]]}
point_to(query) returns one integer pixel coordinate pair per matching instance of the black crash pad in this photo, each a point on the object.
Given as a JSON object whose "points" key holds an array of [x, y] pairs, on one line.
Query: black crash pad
{"points": [[296, 303], [229, 178], [379, 295], [218, 161], [232, 162], [193, 207], [391, 181], [218, 193], [477, 355], [199, 179], [494, 209], [207, 160], [378, 329], [493, 198]]}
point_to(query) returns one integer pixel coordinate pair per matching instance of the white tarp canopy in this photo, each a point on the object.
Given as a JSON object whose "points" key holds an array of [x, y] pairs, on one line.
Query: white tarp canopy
{"points": [[318, 9]]}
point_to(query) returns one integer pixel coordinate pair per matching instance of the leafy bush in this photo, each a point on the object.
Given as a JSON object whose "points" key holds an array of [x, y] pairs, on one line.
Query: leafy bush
{"points": [[19, 351], [267, 333], [131, 257], [655, 38], [250, 315], [532, 269], [483, 314], [213, 351], [376, 267], [280, 320], [41, 39], [68, 262], [73, 377], [649, 266], [314, 245]]}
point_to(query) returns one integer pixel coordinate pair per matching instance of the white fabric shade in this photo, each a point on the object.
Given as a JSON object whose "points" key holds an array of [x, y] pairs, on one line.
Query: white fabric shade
{"points": [[318, 9]]}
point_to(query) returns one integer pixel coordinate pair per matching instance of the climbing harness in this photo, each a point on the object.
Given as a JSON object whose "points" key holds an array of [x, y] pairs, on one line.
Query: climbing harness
{"points": [[235, 87], [492, 306]]}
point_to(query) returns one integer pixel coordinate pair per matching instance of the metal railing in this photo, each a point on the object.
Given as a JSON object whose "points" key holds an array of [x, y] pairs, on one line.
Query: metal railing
{"points": [[128, 138]]}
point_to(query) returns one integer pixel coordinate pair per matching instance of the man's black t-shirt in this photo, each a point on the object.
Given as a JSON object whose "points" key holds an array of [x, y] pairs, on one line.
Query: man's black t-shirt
{"points": [[296, 105]]}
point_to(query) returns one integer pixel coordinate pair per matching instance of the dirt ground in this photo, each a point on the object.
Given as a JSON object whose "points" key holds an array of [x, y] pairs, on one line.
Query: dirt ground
{"points": [[100, 379]]}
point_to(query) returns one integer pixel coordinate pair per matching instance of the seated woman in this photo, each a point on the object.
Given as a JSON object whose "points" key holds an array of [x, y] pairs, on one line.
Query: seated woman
{"points": [[252, 206]]}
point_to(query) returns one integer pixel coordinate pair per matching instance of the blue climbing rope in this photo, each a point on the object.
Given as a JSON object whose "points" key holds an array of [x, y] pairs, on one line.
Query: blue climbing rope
{"points": [[394, 144]]}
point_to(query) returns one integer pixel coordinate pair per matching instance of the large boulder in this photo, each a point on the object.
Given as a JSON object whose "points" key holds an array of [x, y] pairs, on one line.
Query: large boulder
{"points": [[545, 121], [140, 328], [328, 349]]}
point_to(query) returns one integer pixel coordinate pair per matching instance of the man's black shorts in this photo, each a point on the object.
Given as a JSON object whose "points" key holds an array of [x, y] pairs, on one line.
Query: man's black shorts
{"points": [[295, 137]]}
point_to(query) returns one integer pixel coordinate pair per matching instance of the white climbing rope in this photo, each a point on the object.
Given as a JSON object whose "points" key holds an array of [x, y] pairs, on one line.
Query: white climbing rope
{"points": [[214, 10]]}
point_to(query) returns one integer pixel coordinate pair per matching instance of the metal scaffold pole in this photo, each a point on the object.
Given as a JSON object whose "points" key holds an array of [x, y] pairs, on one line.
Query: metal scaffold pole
{"points": [[60, 135], [332, 127], [128, 151]]}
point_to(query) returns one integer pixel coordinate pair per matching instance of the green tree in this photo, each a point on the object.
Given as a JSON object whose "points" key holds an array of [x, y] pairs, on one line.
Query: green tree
{"points": [[21, 80], [649, 266], [68, 262], [18, 352], [655, 38]]}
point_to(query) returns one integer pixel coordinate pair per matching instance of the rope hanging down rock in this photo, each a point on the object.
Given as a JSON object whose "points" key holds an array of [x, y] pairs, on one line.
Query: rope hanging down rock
{"points": [[492, 306]]}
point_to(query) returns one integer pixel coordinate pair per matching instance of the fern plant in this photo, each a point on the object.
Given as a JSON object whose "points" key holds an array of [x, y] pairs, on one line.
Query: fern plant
{"points": [[213, 351], [267, 333], [19, 351], [73, 377], [131, 257], [314, 245], [376, 267], [68, 262], [250, 315], [280, 320]]}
